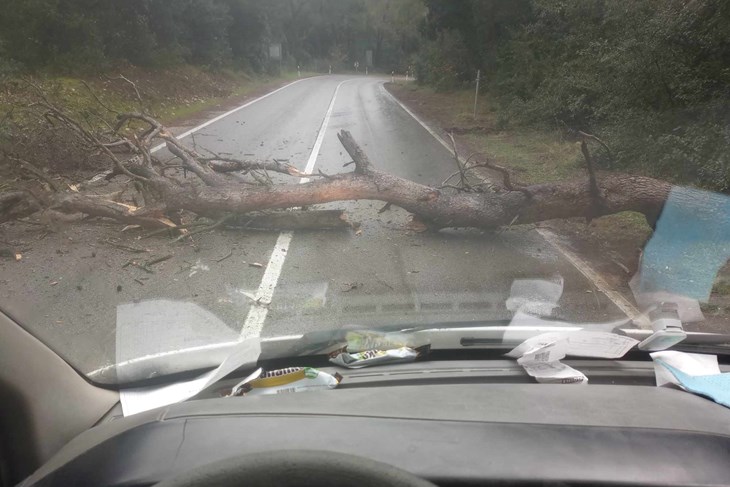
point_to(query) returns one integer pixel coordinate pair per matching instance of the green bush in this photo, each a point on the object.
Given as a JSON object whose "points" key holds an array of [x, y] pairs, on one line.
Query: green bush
{"points": [[443, 63], [651, 78]]}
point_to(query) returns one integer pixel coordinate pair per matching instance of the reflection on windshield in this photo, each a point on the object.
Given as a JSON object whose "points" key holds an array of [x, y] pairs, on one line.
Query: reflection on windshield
{"points": [[689, 246], [306, 166]]}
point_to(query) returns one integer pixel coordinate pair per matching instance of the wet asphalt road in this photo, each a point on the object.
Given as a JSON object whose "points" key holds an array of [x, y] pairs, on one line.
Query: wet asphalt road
{"points": [[314, 280]]}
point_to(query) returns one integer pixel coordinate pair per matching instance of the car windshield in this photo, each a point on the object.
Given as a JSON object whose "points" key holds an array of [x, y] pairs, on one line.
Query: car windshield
{"points": [[184, 176]]}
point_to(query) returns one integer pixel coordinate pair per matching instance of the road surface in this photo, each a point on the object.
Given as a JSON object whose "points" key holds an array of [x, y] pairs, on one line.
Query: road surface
{"points": [[72, 290]]}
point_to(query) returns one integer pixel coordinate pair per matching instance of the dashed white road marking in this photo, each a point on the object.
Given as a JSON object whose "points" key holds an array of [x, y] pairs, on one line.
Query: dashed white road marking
{"points": [[591, 274], [258, 311]]}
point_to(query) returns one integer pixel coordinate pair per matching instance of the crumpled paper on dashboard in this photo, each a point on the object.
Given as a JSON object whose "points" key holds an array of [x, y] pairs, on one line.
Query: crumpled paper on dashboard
{"points": [[540, 355]]}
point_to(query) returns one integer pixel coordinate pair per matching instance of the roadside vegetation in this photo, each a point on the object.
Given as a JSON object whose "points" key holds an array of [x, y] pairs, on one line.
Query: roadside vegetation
{"points": [[649, 77], [172, 95]]}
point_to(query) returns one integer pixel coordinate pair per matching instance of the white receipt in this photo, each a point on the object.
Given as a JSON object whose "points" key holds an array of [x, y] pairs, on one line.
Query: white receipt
{"points": [[689, 363], [551, 352], [540, 355], [535, 343], [555, 373], [138, 399], [596, 344], [599, 344]]}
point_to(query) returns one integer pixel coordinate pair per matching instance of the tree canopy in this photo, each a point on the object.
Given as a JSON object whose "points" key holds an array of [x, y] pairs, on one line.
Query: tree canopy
{"points": [[71, 36], [650, 76]]}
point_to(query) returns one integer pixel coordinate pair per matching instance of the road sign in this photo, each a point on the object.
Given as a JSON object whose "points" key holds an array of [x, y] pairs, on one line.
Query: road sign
{"points": [[369, 58], [275, 51]]}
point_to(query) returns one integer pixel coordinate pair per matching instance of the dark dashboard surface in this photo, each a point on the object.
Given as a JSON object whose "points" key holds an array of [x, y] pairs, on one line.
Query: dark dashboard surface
{"points": [[447, 433]]}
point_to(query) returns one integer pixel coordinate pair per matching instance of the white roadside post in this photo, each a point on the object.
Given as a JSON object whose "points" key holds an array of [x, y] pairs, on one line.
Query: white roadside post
{"points": [[299, 72], [476, 95], [330, 71], [366, 70], [392, 76]]}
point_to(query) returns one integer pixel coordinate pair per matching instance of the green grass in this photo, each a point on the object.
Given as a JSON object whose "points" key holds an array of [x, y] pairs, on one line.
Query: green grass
{"points": [[74, 96], [534, 157]]}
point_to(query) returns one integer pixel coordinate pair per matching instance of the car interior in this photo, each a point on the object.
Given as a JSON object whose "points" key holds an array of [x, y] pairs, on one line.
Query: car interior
{"points": [[467, 418]]}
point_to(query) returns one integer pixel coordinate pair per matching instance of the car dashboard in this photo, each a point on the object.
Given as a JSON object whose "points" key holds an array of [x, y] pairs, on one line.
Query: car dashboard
{"points": [[465, 422]]}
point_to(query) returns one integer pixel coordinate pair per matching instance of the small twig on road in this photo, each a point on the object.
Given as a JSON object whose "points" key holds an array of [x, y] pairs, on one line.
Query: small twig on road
{"points": [[504, 229], [136, 264], [159, 259], [229, 254], [128, 248], [204, 229], [170, 229]]}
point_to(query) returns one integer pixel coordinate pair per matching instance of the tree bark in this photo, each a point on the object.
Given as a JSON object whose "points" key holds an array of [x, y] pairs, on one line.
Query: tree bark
{"points": [[217, 196]]}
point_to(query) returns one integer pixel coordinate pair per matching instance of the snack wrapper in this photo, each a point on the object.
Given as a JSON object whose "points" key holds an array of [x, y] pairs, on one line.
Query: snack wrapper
{"points": [[365, 340], [356, 360], [291, 379]]}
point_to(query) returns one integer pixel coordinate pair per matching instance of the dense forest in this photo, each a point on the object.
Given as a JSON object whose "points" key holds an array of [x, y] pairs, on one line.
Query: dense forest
{"points": [[650, 77], [72, 36]]}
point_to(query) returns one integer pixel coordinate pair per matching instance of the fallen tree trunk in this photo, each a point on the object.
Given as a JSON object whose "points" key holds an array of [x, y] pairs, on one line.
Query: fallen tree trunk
{"points": [[437, 208], [217, 195], [295, 220], [618, 192], [481, 210]]}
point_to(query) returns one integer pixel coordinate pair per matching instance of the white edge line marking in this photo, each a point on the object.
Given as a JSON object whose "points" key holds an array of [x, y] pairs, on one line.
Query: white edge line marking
{"points": [[258, 311], [436, 136], [617, 298]]}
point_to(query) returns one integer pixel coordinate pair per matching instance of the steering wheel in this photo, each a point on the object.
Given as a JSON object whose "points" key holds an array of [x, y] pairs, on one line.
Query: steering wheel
{"points": [[289, 468]]}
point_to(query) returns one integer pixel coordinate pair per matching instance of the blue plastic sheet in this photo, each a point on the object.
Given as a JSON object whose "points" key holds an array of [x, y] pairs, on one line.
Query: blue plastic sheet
{"points": [[690, 244], [715, 387]]}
